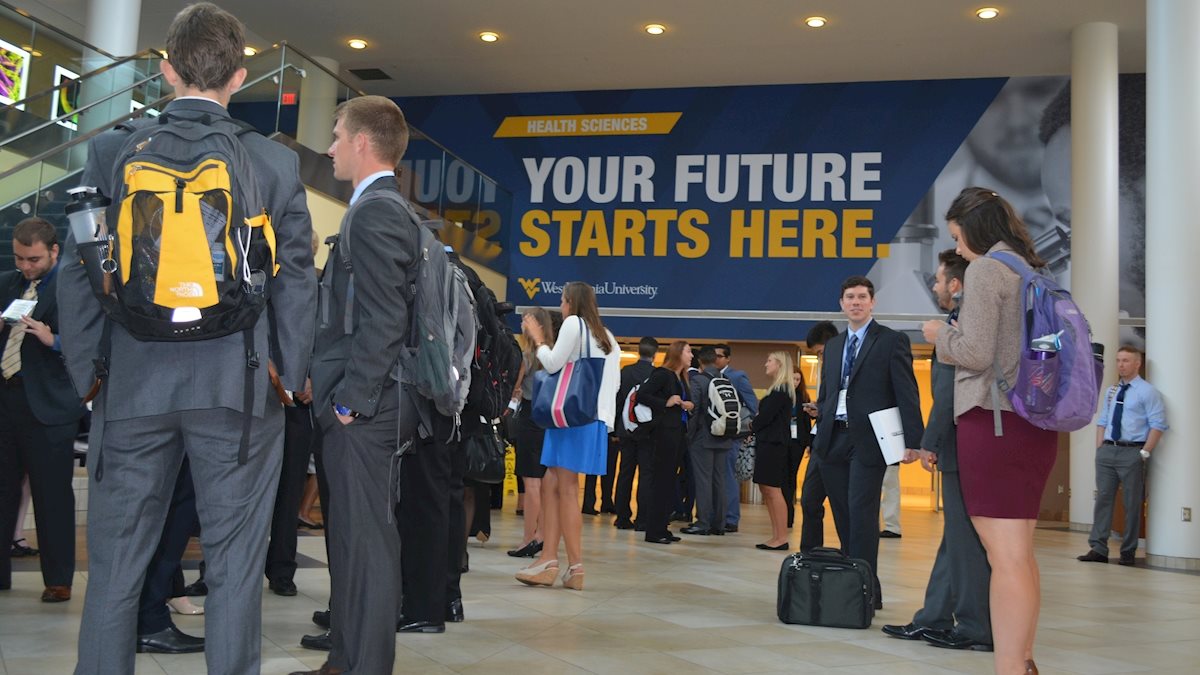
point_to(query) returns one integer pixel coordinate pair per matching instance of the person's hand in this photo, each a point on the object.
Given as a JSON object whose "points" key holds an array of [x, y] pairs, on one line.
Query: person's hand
{"points": [[810, 408], [931, 329], [674, 401], [928, 460], [532, 329], [910, 456], [688, 406], [39, 330], [305, 396], [344, 419]]}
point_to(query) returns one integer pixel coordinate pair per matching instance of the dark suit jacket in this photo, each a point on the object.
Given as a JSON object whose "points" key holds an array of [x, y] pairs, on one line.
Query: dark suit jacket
{"points": [[662, 385], [43, 372], [352, 369], [882, 378], [632, 374], [155, 378], [940, 433]]}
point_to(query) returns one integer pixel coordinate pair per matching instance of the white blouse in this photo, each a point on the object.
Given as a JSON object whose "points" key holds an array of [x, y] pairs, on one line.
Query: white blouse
{"points": [[569, 347]]}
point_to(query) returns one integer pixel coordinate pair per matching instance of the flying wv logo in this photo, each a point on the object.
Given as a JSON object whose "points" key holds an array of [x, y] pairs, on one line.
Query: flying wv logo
{"points": [[530, 285]]}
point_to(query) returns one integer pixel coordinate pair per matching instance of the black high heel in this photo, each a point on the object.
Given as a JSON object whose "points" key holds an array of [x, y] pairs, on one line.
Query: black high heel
{"points": [[527, 551]]}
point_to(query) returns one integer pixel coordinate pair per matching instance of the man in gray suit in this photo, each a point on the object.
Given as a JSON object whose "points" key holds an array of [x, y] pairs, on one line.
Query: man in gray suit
{"points": [[161, 401], [958, 583], [707, 453], [365, 312]]}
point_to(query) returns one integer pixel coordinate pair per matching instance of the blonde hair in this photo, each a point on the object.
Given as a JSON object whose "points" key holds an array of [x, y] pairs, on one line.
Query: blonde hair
{"points": [[783, 376]]}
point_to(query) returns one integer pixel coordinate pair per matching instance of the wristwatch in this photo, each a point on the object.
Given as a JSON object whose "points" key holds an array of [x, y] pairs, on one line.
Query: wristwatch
{"points": [[344, 411]]}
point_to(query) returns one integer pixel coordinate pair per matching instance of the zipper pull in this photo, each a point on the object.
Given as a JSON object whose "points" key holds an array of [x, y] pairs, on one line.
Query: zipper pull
{"points": [[179, 185]]}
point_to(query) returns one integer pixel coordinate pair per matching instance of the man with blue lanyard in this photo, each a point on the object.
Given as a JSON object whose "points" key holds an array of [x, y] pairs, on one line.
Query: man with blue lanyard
{"points": [[1130, 427]]}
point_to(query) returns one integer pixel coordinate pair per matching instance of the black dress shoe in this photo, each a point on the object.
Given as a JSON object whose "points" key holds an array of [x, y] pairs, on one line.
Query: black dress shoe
{"points": [[284, 587], [622, 524], [321, 618], [1127, 560], [21, 550], [764, 547], [454, 611], [608, 509], [730, 528], [909, 631], [717, 533], [589, 511], [679, 517], [169, 640], [529, 550], [954, 640], [320, 643], [674, 538], [692, 529], [420, 627], [660, 540], [638, 527], [196, 589], [1092, 556], [888, 534]]}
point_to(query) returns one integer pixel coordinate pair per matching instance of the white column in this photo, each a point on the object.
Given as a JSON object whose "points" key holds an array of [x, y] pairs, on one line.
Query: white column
{"points": [[318, 99], [1094, 240], [111, 25], [1172, 239]]}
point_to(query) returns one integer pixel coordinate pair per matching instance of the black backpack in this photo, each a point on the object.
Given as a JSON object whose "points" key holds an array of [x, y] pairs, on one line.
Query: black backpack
{"points": [[497, 359]]}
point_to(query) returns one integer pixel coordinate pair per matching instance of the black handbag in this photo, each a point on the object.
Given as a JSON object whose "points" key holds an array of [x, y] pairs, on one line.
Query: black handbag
{"points": [[825, 588], [484, 453]]}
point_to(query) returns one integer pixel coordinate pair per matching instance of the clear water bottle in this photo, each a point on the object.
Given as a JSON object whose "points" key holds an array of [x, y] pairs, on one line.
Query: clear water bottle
{"points": [[86, 214]]}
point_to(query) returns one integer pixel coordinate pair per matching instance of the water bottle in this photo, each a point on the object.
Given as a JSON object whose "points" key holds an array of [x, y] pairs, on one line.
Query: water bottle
{"points": [[87, 216]]}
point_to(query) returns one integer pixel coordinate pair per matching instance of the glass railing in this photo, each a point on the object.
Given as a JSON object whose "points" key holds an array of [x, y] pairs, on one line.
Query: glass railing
{"points": [[34, 55]]}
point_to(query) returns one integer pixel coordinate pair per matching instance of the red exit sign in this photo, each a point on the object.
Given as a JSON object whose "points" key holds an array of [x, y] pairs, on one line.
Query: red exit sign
{"points": [[289, 98]]}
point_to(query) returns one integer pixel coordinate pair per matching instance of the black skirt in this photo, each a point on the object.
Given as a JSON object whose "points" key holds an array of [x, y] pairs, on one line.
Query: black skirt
{"points": [[770, 463]]}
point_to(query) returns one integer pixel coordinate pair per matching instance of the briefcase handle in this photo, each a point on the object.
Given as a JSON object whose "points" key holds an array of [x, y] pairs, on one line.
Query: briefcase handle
{"points": [[826, 552]]}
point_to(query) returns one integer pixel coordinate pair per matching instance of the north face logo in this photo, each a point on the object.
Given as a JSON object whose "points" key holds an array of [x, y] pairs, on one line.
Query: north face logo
{"points": [[530, 285]]}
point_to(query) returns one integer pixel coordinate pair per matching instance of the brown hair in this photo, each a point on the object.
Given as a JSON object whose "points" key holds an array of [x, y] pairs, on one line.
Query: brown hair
{"points": [[674, 359], [542, 316], [802, 390], [986, 219], [205, 46], [1129, 349], [381, 120], [954, 264], [32, 230], [855, 282], [582, 299]]}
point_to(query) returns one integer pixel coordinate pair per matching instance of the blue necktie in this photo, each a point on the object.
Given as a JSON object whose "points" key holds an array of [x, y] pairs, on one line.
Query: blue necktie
{"points": [[848, 362], [1118, 409]]}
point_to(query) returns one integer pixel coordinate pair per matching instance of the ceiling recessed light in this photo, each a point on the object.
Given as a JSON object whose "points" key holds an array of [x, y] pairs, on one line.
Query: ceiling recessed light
{"points": [[357, 43], [655, 28], [815, 21], [249, 51], [987, 13], [489, 36]]}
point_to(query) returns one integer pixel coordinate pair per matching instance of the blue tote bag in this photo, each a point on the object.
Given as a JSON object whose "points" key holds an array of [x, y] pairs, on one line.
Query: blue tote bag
{"points": [[568, 398]]}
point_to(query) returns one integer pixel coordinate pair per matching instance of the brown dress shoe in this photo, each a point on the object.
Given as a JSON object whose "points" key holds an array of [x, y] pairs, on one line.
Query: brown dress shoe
{"points": [[56, 594], [324, 670]]}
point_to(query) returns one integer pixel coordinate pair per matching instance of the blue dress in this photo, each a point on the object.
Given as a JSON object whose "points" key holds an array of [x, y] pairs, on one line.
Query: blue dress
{"points": [[580, 449]]}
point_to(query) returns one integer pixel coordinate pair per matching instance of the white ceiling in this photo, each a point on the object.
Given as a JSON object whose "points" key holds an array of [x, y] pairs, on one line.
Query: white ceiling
{"points": [[431, 46]]}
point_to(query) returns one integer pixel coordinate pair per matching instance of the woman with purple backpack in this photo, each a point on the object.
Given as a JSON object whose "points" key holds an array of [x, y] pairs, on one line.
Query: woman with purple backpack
{"points": [[1004, 461]]}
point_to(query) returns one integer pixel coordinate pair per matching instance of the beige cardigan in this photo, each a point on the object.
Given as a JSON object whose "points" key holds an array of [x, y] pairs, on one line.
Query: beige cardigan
{"points": [[988, 332]]}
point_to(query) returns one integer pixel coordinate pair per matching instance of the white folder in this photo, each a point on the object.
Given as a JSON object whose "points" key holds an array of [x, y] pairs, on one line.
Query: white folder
{"points": [[889, 431]]}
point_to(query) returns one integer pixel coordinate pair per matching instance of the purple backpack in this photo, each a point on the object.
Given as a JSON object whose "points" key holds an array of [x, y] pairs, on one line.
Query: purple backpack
{"points": [[1058, 379]]}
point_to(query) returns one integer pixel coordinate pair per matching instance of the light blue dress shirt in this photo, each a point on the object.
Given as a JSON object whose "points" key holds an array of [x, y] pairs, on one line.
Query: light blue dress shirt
{"points": [[1143, 411]]}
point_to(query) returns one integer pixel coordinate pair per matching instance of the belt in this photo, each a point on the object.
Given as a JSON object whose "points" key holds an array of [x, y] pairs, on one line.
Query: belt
{"points": [[1126, 444], [841, 424], [14, 381]]}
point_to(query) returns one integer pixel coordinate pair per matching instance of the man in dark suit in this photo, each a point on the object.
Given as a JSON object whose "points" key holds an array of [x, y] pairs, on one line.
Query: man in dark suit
{"points": [[161, 401], [812, 489], [866, 369], [634, 453], [958, 584], [356, 396], [39, 411]]}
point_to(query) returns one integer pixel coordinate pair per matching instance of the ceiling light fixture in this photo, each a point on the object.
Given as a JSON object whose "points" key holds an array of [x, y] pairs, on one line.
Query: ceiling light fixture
{"points": [[815, 21], [986, 13], [489, 36], [249, 51], [655, 28], [357, 43]]}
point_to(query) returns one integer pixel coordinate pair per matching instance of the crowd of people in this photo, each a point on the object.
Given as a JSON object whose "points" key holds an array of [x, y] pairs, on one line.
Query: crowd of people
{"points": [[215, 437]]}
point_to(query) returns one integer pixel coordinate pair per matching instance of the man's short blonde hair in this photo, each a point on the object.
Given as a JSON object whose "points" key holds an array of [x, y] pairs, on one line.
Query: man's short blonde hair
{"points": [[381, 120]]}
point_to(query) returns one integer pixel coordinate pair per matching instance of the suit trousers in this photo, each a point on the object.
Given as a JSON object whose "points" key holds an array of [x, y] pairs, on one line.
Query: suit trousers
{"points": [[733, 488], [361, 464], [708, 468], [685, 486], [665, 449], [606, 482], [423, 519], [812, 506], [297, 447], [456, 527], [958, 583], [46, 454], [182, 523], [854, 489], [1114, 465], [795, 454], [635, 460], [127, 511]]}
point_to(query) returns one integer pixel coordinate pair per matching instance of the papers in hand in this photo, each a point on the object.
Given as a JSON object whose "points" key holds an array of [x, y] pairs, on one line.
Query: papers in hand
{"points": [[889, 431], [18, 309]]}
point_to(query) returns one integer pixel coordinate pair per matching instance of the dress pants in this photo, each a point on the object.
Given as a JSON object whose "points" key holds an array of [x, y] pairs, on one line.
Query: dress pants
{"points": [[161, 577], [46, 454], [666, 449], [1113, 465], [685, 485], [456, 527], [635, 460], [127, 511], [423, 519], [733, 488], [606, 481], [958, 583], [795, 453], [297, 447], [812, 506], [854, 488], [708, 466], [362, 464]]}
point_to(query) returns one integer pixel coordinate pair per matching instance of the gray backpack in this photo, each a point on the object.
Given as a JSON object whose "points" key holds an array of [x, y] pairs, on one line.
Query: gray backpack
{"points": [[437, 360]]}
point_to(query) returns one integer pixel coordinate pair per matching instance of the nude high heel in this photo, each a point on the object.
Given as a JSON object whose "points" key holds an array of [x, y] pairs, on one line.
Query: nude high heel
{"points": [[1030, 667], [573, 577], [539, 575]]}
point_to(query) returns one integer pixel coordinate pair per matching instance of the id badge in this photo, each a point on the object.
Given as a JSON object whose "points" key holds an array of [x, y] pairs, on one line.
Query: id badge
{"points": [[794, 432], [841, 406]]}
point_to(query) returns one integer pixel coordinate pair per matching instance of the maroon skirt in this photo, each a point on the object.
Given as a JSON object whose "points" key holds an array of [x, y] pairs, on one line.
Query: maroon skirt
{"points": [[1003, 476]]}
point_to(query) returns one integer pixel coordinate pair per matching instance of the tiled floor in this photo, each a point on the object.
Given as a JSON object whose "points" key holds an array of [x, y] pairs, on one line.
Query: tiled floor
{"points": [[704, 605]]}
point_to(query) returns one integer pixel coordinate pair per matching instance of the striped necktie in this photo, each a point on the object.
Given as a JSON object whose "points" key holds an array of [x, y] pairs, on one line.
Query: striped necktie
{"points": [[11, 363]]}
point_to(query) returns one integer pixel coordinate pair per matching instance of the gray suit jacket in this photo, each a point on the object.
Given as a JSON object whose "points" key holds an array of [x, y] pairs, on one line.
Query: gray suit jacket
{"points": [[940, 433], [155, 378], [351, 369]]}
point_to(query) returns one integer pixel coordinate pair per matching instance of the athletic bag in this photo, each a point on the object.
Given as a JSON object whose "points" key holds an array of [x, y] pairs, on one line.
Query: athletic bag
{"points": [[725, 409], [825, 588], [634, 414]]}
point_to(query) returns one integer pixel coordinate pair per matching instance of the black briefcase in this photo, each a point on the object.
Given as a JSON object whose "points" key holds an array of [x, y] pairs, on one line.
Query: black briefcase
{"points": [[825, 588]]}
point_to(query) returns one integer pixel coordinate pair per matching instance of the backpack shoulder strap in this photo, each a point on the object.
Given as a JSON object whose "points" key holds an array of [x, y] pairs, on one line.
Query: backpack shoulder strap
{"points": [[343, 243]]}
